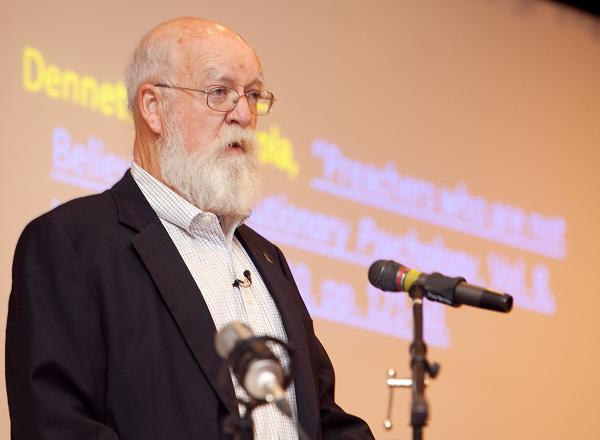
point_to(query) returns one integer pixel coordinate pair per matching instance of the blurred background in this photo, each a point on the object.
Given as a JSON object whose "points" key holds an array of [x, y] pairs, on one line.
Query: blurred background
{"points": [[460, 137]]}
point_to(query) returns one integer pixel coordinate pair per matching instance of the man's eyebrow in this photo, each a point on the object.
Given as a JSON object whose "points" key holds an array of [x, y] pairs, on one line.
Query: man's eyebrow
{"points": [[215, 77]]}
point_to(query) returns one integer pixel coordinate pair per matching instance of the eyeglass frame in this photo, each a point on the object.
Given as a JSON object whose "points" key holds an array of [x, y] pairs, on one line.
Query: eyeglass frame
{"points": [[207, 93]]}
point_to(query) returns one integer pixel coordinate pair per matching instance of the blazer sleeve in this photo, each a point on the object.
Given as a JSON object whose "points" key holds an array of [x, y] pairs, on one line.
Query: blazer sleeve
{"points": [[55, 354], [335, 422]]}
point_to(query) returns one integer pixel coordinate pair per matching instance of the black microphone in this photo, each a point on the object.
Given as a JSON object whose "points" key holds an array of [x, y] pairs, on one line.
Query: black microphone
{"points": [[243, 283], [257, 369], [390, 276]]}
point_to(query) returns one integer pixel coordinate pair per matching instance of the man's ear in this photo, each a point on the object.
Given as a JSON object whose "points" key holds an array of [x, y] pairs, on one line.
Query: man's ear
{"points": [[147, 103]]}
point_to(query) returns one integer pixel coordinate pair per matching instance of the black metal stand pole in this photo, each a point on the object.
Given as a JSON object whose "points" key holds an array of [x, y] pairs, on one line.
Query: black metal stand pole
{"points": [[418, 365], [240, 428]]}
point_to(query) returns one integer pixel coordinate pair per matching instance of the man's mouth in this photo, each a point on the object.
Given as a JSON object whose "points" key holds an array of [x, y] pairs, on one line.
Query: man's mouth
{"points": [[237, 147]]}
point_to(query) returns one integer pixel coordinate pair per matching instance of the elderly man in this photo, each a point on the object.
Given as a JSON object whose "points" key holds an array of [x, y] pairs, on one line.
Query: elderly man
{"points": [[116, 297]]}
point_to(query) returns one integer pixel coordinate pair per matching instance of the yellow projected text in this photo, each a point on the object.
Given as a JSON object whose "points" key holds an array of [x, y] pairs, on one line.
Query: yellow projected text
{"points": [[277, 151], [86, 91]]}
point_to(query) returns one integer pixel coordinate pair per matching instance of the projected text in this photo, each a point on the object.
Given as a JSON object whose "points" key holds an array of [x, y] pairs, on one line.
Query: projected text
{"points": [[277, 151], [84, 164], [452, 208], [331, 236], [69, 86], [385, 313]]}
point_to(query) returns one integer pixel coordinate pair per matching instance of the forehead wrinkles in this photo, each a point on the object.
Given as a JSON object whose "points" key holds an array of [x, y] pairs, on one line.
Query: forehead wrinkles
{"points": [[215, 60]]}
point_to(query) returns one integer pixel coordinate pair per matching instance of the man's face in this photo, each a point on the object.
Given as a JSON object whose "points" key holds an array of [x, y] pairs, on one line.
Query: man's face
{"points": [[221, 60], [208, 156]]}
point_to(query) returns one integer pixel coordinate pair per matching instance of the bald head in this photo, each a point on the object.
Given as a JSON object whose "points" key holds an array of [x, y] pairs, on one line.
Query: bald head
{"points": [[188, 29], [173, 49]]}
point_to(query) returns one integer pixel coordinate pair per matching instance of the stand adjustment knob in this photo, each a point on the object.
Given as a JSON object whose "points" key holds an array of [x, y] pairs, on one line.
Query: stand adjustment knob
{"points": [[433, 370]]}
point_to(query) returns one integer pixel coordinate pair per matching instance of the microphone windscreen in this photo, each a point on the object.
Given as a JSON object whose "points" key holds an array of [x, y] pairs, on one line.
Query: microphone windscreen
{"points": [[229, 336], [382, 274]]}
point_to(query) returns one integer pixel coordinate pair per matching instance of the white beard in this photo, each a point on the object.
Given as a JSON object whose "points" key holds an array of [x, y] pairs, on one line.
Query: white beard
{"points": [[213, 179]]}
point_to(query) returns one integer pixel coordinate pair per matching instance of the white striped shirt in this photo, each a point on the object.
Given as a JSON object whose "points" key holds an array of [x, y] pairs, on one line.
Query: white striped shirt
{"points": [[215, 258]]}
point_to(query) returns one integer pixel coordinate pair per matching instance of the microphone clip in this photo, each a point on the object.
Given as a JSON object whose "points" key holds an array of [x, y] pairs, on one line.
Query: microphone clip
{"points": [[247, 282]]}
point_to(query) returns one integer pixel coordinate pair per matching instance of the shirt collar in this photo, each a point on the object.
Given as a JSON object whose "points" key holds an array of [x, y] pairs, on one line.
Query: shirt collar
{"points": [[172, 208]]}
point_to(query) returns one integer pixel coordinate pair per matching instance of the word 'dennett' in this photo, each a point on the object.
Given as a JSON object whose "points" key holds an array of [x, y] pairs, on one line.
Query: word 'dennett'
{"points": [[110, 99]]}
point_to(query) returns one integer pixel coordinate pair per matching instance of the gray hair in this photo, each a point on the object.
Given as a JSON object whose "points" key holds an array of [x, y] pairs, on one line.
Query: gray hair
{"points": [[151, 61]]}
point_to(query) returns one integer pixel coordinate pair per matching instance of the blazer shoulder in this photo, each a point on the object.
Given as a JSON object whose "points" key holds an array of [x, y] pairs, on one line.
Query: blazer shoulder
{"points": [[76, 218], [84, 211]]}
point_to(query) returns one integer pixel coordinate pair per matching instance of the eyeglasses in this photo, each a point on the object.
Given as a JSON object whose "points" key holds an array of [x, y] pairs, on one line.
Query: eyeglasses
{"points": [[224, 99]]}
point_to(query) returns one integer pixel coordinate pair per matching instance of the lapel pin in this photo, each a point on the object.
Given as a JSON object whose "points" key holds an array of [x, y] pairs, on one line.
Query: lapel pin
{"points": [[267, 257]]}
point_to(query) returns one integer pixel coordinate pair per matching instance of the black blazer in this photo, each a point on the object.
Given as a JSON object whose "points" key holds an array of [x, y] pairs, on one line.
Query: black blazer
{"points": [[108, 336]]}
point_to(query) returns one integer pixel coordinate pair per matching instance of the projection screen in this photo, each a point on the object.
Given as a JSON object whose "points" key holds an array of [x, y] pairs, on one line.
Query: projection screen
{"points": [[461, 137]]}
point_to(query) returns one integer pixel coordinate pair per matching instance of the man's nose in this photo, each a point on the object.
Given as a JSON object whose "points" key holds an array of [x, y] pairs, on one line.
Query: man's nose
{"points": [[241, 113]]}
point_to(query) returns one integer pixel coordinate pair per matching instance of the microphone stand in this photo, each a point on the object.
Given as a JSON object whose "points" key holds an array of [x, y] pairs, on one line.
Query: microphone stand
{"points": [[419, 365], [241, 428]]}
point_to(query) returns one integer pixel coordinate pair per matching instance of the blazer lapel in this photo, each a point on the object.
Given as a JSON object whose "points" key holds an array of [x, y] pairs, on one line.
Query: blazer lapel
{"points": [[175, 283], [267, 262]]}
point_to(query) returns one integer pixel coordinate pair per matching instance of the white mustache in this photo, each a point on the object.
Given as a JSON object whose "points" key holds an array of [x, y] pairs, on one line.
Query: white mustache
{"points": [[232, 135]]}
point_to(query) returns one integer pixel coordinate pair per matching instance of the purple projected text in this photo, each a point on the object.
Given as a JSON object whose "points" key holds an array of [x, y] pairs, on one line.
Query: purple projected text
{"points": [[362, 243], [84, 164], [388, 314], [452, 208]]}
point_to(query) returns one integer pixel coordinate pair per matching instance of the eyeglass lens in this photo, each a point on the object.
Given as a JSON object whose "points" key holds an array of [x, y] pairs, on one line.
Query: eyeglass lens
{"points": [[225, 99]]}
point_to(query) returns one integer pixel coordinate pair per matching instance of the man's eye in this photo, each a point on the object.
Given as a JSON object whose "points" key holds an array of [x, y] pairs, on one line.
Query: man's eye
{"points": [[218, 92], [254, 94]]}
